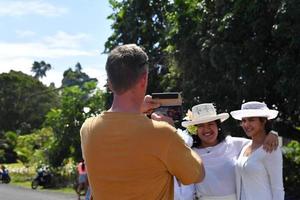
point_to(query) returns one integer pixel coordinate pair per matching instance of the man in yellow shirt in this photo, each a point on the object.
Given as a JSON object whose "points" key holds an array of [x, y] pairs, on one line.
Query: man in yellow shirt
{"points": [[129, 156]]}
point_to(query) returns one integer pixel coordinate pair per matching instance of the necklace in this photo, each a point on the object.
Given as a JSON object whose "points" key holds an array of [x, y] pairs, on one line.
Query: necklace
{"points": [[208, 149]]}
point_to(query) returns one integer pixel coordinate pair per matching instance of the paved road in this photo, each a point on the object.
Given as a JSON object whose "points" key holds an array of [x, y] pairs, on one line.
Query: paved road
{"points": [[10, 192]]}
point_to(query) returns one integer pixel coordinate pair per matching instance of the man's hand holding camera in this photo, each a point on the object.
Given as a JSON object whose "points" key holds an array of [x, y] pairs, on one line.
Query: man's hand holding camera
{"points": [[149, 105]]}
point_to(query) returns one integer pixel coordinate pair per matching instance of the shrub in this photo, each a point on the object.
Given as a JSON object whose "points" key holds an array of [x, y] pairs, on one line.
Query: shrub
{"points": [[291, 169]]}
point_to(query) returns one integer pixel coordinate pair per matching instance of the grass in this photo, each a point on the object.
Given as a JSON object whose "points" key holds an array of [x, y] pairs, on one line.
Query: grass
{"points": [[22, 176]]}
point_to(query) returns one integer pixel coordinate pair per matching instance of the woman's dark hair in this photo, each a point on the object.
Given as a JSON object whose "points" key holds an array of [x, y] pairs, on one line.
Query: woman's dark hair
{"points": [[221, 136], [268, 125], [82, 166]]}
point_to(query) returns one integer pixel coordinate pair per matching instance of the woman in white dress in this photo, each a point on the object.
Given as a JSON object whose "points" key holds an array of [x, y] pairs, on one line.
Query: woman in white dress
{"points": [[218, 153], [258, 174]]}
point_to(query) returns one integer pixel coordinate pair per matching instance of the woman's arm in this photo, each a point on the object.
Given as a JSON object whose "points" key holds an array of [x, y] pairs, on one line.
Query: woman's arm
{"points": [[273, 164], [270, 143], [238, 142]]}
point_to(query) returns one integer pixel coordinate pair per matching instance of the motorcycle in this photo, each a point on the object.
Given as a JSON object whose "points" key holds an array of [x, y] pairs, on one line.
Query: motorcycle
{"points": [[43, 178], [4, 176]]}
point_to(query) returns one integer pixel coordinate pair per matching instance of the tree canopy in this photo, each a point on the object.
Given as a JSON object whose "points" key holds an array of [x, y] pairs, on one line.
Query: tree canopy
{"points": [[143, 23], [77, 103], [225, 52], [24, 102], [75, 77], [40, 123]]}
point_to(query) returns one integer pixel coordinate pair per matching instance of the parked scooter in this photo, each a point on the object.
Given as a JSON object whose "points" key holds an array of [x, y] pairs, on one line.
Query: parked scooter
{"points": [[4, 175], [43, 178]]}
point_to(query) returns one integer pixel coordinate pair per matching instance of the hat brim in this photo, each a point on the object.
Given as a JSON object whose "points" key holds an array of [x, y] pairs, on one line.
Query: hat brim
{"points": [[222, 117], [240, 114]]}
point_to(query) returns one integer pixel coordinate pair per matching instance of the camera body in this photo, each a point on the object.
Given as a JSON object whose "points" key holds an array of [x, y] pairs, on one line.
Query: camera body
{"points": [[170, 104]]}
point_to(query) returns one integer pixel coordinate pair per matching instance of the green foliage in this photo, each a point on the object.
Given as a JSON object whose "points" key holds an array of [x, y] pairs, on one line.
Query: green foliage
{"points": [[21, 174], [76, 77], [24, 102], [292, 152], [8, 142], [291, 168], [33, 148], [227, 52], [77, 103], [142, 22], [224, 52], [231, 51]]}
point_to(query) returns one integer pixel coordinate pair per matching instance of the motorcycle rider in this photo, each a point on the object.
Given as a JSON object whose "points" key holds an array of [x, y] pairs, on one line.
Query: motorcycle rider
{"points": [[43, 177], [4, 176], [2, 170]]}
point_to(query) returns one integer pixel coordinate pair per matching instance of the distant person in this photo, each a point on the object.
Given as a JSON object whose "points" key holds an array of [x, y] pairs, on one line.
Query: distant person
{"points": [[258, 174], [129, 156], [2, 171], [2, 168], [82, 177]]}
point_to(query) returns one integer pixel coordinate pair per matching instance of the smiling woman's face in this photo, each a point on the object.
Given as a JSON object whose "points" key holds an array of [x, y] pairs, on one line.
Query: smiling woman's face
{"points": [[253, 125], [208, 133]]}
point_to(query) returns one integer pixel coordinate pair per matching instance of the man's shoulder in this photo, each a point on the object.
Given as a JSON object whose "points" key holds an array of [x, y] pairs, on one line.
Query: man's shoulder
{"points": [[163, 132], [87, 124], [88, 121], [163, 126]]}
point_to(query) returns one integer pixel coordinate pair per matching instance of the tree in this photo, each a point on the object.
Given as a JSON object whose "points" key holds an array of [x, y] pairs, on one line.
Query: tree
{"points": [[77, 103], [76, 77], [24, 102], [224, 52], [8, 142], [33, 148], [142, 22], [235, 51], [40, 68]]}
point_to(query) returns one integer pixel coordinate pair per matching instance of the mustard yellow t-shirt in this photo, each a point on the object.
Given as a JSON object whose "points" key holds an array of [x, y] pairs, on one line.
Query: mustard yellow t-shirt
{"points": [[129, 156]]}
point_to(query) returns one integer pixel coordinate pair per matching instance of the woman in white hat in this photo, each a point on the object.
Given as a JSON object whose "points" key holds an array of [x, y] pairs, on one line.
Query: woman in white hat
{"points": [[258, 174], [218, 154]]}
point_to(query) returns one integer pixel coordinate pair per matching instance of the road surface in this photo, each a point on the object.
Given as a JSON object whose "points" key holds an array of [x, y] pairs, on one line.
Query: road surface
{"points": [[11, 192]]}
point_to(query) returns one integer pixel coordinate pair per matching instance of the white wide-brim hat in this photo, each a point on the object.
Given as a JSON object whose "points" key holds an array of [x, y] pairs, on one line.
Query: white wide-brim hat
{"points": [[254, 109], [203, 113]]}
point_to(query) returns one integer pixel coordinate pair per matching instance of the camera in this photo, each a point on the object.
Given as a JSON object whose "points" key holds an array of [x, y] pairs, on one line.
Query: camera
{"points": [[170, 104]]}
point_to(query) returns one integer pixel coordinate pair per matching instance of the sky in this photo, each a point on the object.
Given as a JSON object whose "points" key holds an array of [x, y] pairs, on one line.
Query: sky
{"points": [[59, 32]]}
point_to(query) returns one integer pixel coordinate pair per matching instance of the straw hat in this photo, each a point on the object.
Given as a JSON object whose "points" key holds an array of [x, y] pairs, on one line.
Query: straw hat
{"points": [[254, 109], [203, 113]]}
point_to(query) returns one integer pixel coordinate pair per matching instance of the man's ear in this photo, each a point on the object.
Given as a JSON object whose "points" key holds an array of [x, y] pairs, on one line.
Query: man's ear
{"points": [[109, 84], [144, 79]]}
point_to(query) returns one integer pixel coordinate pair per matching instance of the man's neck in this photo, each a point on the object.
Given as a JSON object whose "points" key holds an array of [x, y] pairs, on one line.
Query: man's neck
{"points": [[126, 102]]}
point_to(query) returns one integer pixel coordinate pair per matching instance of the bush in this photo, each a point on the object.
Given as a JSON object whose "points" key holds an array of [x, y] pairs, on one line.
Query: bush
{"points": [[32, 148], [291, 170]]}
